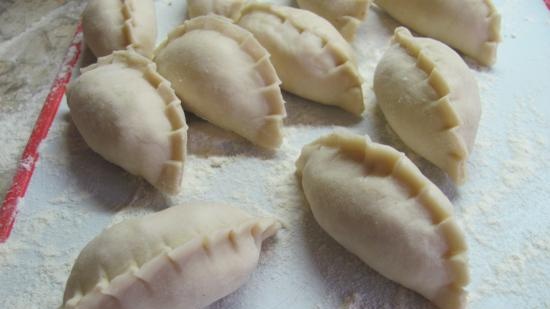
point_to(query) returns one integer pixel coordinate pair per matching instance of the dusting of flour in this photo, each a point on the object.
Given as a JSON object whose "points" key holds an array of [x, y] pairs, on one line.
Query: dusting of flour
{"points": [[75, 194]]}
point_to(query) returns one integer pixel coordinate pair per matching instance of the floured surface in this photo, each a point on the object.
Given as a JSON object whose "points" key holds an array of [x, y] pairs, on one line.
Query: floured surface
{"points": [[75, 194], [30, 30]]}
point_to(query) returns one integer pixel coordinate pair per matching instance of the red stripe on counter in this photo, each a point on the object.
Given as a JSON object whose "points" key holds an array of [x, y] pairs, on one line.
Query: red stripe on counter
{"points": [[30, 156]]}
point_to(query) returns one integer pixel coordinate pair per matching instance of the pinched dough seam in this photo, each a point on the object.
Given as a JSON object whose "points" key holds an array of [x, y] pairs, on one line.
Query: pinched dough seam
{"points": [[425, 193], [348, 24], [494, 22], [234, 8], [259, 229], [171, 174], [443, 106], [343, 61], [419, 188], [488, 50], [127, 9], [271, 90]]}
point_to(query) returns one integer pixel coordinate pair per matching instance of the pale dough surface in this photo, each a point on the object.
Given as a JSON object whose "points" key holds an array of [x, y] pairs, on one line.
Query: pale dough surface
{"points": [[471, 26], [431, 99], [311, 57], [345, 15], [111, 25], [129, 114], [222, 74], [183, 257], [376, 203], [227, 8]]}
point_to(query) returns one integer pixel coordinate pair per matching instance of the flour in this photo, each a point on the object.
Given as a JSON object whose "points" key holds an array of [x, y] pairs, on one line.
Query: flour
{"points": [[27, 163], [25, 78], [41, 266], [75, 194], [528, 260]]}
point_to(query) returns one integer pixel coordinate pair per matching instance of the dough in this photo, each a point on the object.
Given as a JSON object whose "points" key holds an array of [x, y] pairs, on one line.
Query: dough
{"points": [[378, 205], [222, 74], [129, 114], [110, 25], [228, 8], [345, 15], [311, 57], [182, 257], [431, 100], [471, 26]]}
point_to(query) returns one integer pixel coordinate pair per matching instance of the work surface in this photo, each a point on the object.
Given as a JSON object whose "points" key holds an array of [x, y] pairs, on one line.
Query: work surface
{"points": [[34, 35], [503, 207]]}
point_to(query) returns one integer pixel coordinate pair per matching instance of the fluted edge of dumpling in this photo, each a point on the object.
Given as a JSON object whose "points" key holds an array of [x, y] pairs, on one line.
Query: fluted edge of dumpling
{"points": [[450, 119], [488, 51], [273, 97], [110, 284], [385, 161], [234, 10], [129, 29], [347, 25], [352, 100], [171, 175]]}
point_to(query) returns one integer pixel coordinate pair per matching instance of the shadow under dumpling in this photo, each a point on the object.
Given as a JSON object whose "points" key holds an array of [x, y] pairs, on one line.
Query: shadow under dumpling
{"points": [[302, 111], [206, 139], [108, 185]]}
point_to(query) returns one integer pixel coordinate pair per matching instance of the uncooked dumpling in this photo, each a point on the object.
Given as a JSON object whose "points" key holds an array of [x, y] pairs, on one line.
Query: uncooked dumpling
{"points": [[378, 205], [129, 114], [110, 25], [222, 74], [345, 15], [182, 257], [471, 26], [228, 8], [311, 57], [431, 100]]}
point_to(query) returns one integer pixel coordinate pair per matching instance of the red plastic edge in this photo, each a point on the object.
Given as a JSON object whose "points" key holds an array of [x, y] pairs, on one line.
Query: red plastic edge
{"points": [[547, 3], [27, 164]]}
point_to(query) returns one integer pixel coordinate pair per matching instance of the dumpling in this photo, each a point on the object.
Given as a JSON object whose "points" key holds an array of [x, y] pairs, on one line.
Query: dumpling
{"points": [[378, 205], [228, 8], [311, 57], [182, 257], [345, 15], [129, 114], [431, 100], [472, 26], [110, 25], [222, 74]]}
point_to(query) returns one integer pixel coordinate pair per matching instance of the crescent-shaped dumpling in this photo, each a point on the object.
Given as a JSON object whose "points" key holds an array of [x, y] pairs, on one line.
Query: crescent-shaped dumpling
{"points": [[471, 26], [182, 257], [129, 114], [311, 57], [228, 8], [345, 15], [378, 205], [222, 74], [431, 100], [110, 25]]}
